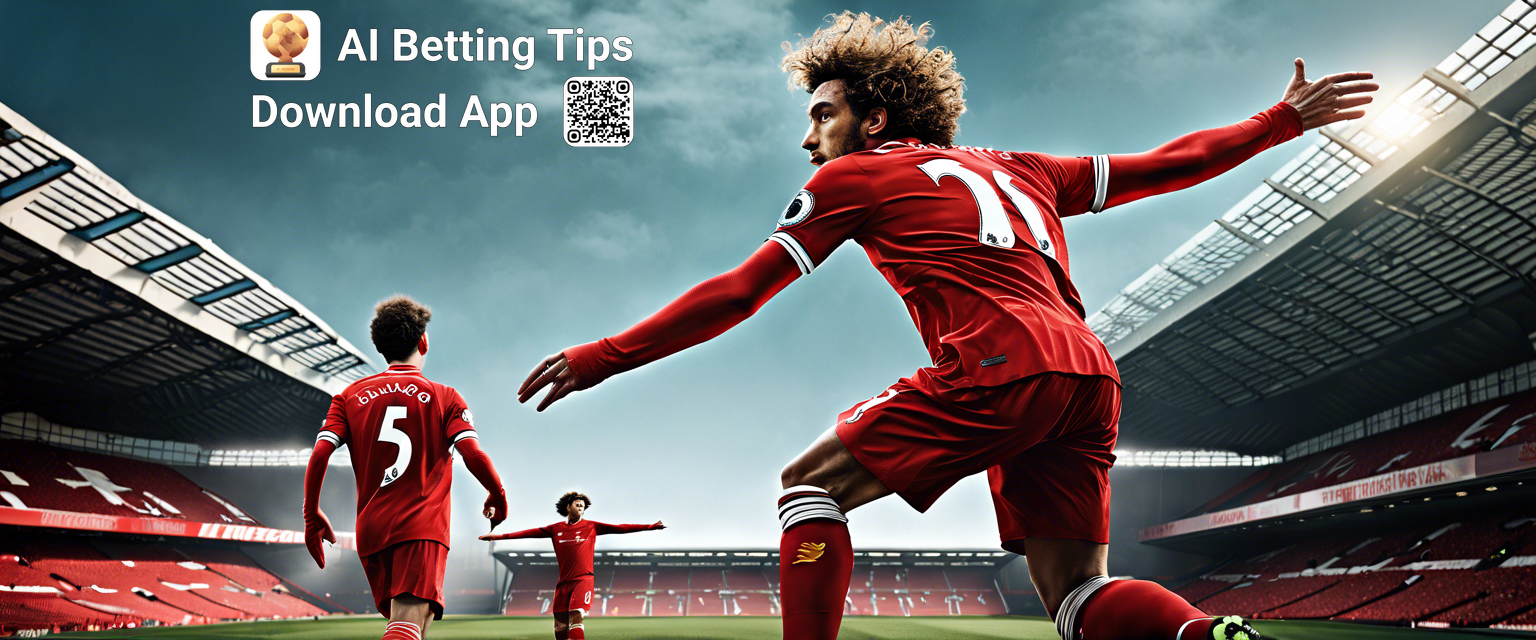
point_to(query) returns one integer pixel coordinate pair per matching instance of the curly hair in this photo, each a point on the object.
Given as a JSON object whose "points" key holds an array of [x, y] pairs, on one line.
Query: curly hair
{"points": [[563, 505], [889, 67], [398, 324]]}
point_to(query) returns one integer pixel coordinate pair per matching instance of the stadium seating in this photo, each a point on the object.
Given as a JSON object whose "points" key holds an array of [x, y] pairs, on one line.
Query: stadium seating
{"points": [[1425, 573], [980, 603], [1252, 598], [1200, 589], [1345, 595], [44, 477], [116, 583], [704, 590], [1437, 438], [1505, 593]]}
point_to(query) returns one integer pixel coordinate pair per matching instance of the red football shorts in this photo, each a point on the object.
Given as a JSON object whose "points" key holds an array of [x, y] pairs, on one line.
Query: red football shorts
{"points": [[414, 568], [573, 595], [1046, 443]]}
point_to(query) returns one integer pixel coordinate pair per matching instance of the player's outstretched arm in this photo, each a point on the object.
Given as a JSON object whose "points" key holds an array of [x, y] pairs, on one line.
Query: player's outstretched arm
{"points": [[603, 528], [479, 464], [1200, 156], [541, 532], [317, 527], [705, 311]]}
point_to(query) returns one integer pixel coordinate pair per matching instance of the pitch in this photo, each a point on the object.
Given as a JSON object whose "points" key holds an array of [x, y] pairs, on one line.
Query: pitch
{"points": [[854, 628]]}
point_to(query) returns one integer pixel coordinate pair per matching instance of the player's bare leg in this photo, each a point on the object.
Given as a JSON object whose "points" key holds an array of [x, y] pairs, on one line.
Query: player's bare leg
{"points": [[408, 618], [562, 626], [1072, 579], [576, 629], [1057, 567], [815, 554], [828, 465]]}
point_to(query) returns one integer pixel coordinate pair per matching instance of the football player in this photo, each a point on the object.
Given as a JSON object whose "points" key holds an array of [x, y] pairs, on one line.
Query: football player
{"points": [[399, 427], [972, 240], [574, 538]]}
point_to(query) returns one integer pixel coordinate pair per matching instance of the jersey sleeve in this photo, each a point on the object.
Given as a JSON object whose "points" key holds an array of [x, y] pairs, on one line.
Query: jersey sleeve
{"points": [[1081, 183], [335, 429], [458, 423], [603, 528], [830, 209]]}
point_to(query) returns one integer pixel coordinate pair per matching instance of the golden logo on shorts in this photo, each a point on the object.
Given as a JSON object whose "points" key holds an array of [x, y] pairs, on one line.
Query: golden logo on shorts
{"points": [[810, 552]]}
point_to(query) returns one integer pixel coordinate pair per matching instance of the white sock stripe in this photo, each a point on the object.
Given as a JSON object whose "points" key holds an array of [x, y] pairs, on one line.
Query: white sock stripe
{"points": [[575, 626], [801, 514], [409, 628], [804, 501], [834, 516], [1180, 634], [810, 508], [1066, 617]]}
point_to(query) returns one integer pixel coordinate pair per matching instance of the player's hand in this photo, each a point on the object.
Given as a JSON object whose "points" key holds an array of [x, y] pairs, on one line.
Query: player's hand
{"points": [[553, 372], [489, 538], [317, 528], [1329, 99], [658, 525], [495, 509]]}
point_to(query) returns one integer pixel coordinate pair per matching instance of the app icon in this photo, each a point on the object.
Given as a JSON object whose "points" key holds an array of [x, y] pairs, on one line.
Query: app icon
{"points": [[285, 45]]}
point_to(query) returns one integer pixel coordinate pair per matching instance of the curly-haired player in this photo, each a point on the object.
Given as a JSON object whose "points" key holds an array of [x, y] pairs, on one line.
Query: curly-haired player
{"points": [[971, 238], [399, 427], [575, 538]]}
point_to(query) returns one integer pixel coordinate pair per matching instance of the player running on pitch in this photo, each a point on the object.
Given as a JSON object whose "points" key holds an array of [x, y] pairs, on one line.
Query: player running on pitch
{"points": [[399, 427], [971, 239], [574, 537]]}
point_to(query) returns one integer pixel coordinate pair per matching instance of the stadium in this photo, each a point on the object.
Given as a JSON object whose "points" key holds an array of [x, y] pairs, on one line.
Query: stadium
{"points": [[1329, 416]]}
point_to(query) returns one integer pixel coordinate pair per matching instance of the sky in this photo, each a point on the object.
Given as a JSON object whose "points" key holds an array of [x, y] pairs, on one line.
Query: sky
{"points": [[523, 245]]}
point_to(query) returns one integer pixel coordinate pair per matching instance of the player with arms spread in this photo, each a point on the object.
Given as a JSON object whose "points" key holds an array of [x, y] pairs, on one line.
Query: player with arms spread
{"points": [[972, 240], [399, 427], [575, 538]]}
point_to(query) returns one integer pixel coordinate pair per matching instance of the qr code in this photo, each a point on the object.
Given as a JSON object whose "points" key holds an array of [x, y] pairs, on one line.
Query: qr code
{"points": [[599, 112]]}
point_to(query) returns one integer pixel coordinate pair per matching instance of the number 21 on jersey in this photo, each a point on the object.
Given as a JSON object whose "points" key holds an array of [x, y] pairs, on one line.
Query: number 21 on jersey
{"points": [[995, 227]]}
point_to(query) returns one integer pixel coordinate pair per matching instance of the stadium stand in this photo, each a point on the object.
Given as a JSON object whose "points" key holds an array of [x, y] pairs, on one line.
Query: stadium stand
{"points": [[734, 583], [39, 476], [1452, 571], [83, 582], [1498, 423]]}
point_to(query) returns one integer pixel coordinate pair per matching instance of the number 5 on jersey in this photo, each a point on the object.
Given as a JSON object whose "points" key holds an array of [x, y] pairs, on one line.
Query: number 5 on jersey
{"points": [[388, 433]]}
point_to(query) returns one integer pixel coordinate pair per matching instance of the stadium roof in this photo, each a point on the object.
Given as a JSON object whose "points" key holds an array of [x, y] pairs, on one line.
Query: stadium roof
{"points": [[1392, 257], [115, 316]]}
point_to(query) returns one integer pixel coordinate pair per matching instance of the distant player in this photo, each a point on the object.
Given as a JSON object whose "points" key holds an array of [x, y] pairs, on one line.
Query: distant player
{"points": [[399, 427], [575, 538]]}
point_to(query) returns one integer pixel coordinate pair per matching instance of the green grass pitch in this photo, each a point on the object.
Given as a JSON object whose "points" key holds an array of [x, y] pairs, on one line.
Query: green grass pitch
{"points": [[854, 628]]}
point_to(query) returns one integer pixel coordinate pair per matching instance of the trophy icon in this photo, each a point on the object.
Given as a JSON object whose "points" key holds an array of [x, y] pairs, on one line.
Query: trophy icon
{"points": [[285, 36]]}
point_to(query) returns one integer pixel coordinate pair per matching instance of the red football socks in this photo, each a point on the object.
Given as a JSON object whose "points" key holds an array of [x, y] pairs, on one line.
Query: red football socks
{"points": [[1139, 610], [576, 632], [562, 635], [401, 630], [815, 564]]}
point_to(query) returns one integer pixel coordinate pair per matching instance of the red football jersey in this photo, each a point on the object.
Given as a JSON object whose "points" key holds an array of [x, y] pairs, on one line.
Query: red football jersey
{"points": [[574, 542], [972, 241], [400, 428]]}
